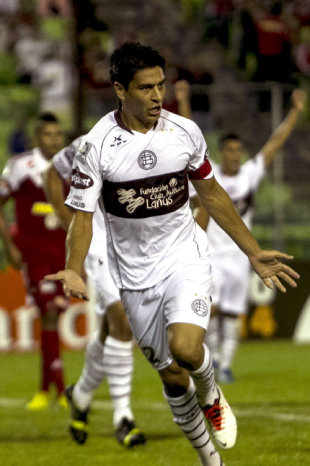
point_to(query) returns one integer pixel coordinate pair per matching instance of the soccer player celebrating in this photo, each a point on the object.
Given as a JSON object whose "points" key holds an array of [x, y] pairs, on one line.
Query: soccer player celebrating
{"points": [[37, 247], [109, 353], [137, 160], [230, 266]]}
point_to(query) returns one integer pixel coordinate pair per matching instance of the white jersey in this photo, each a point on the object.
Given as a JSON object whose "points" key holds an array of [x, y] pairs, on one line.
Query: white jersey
{"points": [[63, 164], [143, 181], [240, 188]]}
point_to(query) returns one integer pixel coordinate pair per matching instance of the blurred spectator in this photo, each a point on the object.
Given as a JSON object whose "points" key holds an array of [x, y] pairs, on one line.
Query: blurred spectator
{"points": [[273, 43], [55, 79], [29, 50], [54, 7], [303, 52], [18, 139]]}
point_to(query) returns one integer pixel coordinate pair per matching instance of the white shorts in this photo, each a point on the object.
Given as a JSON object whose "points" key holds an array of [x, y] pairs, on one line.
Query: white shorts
{"points": [[230, 284], [183, 297], [101, 284]]}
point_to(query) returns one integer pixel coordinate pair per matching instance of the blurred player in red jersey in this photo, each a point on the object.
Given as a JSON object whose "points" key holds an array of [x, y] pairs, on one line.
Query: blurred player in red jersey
{"points": [[37, 246]]}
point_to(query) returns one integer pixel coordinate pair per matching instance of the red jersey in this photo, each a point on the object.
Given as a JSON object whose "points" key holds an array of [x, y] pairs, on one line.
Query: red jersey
{"points": [[38, 232]]}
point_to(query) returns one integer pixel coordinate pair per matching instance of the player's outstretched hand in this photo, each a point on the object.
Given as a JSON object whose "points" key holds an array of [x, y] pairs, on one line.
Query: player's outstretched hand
{"points": [[268, 267], [72, 283]]}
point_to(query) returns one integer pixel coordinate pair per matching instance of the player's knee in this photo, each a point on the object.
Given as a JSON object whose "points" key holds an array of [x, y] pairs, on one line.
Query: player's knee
{"points": [[118, 325], [186, 353]]}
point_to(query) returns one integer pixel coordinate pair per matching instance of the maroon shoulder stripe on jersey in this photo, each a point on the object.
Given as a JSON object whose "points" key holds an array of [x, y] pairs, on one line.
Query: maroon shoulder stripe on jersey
{"points": [[201, 172]]}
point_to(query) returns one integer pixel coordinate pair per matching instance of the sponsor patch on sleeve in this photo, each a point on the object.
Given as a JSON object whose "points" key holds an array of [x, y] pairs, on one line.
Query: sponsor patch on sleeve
{"points": [[80, 180], [82, 151]]}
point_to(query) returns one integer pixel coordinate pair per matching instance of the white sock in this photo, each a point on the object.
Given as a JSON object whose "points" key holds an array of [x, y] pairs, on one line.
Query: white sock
{"points": [[92, 375], [212, 338], [187, 414], [204, 380], [118, 365], [230, 339]]}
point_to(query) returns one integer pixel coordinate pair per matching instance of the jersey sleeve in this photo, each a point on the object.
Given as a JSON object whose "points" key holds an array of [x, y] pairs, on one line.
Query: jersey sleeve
{"points": [[63, 160], [199, 166], [86, 179], [9, 179], [255, 169]]}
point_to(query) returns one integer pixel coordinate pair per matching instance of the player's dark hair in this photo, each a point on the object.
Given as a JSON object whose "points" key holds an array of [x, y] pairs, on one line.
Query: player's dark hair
{"points": [[130, 58], [227, 137], [44, 118]]}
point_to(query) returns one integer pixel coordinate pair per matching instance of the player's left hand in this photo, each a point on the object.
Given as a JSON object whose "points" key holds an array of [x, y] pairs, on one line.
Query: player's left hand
{"points": [[270, 269], [72, 283]]}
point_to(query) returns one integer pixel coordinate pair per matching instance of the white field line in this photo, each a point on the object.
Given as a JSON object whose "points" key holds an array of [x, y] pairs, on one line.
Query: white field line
{"points": [[241, 413]]}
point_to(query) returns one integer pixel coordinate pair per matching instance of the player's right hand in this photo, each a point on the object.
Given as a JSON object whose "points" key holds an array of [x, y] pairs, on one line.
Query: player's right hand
{"points": [[72, 283]]}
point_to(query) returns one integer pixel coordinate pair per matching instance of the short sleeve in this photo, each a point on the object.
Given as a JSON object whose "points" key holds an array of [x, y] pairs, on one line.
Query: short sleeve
{"points": [[199, 166], [9, 180], [63, 160], [86, 179]]}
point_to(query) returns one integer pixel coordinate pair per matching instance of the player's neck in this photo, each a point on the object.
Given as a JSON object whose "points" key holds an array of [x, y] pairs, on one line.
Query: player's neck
{"points": [[134, 124]]}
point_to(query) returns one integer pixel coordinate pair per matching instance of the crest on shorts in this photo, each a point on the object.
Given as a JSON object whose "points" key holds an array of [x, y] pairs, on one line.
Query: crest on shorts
{"points": [[147, 160], [199, 306]]}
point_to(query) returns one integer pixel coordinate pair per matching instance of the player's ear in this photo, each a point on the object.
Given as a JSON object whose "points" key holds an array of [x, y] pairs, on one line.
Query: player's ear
{"points": [[119, 90]]}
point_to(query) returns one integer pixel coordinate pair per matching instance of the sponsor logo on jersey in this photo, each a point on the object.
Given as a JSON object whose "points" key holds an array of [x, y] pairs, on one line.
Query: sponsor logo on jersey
{"points": [[127, 197], [42, 208], [243, 204], [80, 180], [77, 204], [146, 197], [83, 151], [147, 160], [199, 306], [117, 141]]}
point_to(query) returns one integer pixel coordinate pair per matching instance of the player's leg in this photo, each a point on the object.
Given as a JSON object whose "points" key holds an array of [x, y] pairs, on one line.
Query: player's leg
{"points": [[108, 354], [51, 302], [213, 335], [233, 305], [180, 393], [145, 310], [187, 312]]}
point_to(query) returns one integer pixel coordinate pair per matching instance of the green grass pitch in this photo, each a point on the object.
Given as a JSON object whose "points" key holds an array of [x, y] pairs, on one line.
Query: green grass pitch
{"points": [[271, 399]]}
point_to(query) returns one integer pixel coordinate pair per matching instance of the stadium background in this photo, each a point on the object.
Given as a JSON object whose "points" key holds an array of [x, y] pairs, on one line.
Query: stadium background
{"points": [[235, 86]]}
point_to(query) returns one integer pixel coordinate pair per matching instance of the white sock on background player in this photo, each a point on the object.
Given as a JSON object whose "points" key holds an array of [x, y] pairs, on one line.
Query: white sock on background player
{"points": [[230, 330], [212, 338]]}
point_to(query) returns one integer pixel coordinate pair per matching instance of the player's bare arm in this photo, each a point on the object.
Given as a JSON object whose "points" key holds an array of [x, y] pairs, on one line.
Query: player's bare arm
{"points": [[53, 187], [265, 263], [13, 254], [199, 212], [280, 135], [77, 245]]}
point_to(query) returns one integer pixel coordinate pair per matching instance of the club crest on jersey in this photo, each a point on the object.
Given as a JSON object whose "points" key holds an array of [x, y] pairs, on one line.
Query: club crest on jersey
{"points": [[199, 306], [80, 180], [83, 151], [147, 160], [127, 197]]}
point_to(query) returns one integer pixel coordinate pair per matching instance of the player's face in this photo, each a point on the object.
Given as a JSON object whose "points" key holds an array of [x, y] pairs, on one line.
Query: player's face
{"points": [[50, 139], [231, 156], [142, 101]]}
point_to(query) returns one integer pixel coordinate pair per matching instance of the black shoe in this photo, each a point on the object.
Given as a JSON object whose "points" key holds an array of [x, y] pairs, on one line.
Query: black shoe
{"points": [[128, 434], [78, 426]]}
